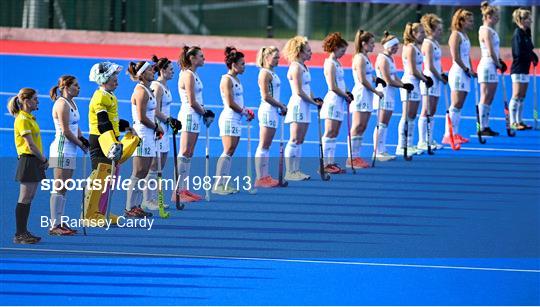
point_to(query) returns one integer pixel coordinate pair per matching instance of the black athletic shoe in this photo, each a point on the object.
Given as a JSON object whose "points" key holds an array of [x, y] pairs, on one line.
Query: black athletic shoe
{"points": [[26, 238], [137, 213], [488, 132]]}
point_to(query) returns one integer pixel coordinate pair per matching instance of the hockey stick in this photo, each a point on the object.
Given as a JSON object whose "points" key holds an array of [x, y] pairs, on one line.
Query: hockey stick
{"points": [[349, 139], [324, 176], [406, 139], [84, 193], [251, 189], [509, 131], [110, 187], [449, 122], [477, 102], [162, 213], [535, 100], [282, 182], [179, 205], [376, 138], [428, 128], [207, 162]]}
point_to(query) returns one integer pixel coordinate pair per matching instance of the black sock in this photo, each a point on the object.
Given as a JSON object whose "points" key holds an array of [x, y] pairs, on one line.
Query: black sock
{"points": [[22, 211]]}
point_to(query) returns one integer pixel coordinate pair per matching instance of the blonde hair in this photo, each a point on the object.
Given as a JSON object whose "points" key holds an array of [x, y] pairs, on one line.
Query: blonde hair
{"points": [[519, 14], [361, 37], [408, 34], [387, 37], [263, 53], [14, 103], [459, 17], [430, 22], [487, 10], [293, 47]]}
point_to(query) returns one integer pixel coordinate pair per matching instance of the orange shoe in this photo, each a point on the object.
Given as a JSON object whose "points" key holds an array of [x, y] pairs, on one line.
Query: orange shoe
{"points": [[266, 182], [460, 139], [197, 197], [357, 163], [333, 169], [184, 197]]}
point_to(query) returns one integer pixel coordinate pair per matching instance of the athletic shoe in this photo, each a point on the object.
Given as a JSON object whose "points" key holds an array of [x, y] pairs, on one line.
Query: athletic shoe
{"points": [[460, 139], [524, 126], [488, 132], [436, 146], [59, 231], [222, 190], [412, 150], [447, 140], [26, 238], [296, 176], [266, 182], [517, 126], [137, 212], [384, 156], [65, 226], [422, 146], [332, 169], [184, 197], [196, 197], [150, 205], [357, 163]]}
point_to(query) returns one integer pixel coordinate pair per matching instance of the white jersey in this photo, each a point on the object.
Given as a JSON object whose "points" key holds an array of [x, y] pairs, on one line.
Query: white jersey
{"points": [[437, 55], [61, 146], [198, 89], [407, 74], [370, 72], [150, 109], [238, 98], [298, 109], [166, 97], [484, 49], [464, 50], [389, 91], [339, 74], [274, 89]]}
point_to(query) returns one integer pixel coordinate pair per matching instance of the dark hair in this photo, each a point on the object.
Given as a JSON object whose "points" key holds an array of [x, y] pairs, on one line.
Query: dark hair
{"points": [[133, 68], [160, 63], [63, 81], [184, 59], [232, 56], [333, 41], [361, 37]]}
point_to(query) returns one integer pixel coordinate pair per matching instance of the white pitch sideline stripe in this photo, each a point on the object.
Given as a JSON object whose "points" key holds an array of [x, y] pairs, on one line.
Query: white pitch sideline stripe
{"points": [[220, 106], [423, 266], [217, 138]]}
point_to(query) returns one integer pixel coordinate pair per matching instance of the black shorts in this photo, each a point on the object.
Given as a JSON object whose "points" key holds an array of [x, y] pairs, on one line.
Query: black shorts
{"points": [[96, 155], [29, 169]]}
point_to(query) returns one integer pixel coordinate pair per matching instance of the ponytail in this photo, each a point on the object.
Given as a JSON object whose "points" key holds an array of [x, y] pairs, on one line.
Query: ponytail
{"points": [[263, 53], [15, 102]]}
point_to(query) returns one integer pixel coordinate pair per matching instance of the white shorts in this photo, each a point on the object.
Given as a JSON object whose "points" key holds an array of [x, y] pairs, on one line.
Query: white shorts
{"points": [[333, 107], [298, 111], [164, 144], [458, 80], [388, 101], [520, 78], [268, 117], [363, 100], [414, 95], [147, 146], [434, 91], [191, 122], [64, 162], [229, 127], [487, 71]]}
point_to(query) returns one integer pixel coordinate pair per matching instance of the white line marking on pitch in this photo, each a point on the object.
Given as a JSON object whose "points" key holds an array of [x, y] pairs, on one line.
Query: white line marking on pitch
{"points": [[425, 266]]}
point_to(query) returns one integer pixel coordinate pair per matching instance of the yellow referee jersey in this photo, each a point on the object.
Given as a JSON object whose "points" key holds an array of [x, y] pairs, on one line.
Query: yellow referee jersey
{"points": [[25, 123], [103, 100]]}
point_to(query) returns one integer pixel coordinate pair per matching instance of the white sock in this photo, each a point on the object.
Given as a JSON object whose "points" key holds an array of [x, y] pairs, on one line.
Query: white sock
{"points": [[513, 110], [379, 137], [132, 199], [290, 156], [184, 165], [411, 125], [401, 132], [484, 109], [384, 134], [422, 129], [431, 129], [223, 167], [326, 149], [298, 157], [356, 144], [455, 116], [519, 116], [261, 162], [149, 194], [55, 205], [62, 207]]}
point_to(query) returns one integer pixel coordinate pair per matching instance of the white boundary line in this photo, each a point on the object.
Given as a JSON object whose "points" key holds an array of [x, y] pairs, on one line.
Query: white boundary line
{"points": [[424, 266]]}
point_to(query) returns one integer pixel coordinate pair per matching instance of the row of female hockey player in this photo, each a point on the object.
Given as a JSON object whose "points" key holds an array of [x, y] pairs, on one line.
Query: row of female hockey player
{"points": [[375, 88]]}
